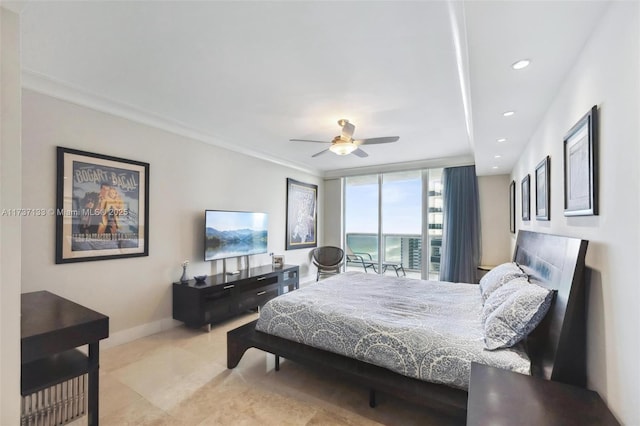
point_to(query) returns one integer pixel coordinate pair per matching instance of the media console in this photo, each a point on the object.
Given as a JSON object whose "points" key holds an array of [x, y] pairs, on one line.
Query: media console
{"points": [[223, 296]]}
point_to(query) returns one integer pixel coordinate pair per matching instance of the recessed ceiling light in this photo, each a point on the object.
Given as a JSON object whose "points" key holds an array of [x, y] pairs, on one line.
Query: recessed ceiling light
{"points": [[502, 140], [508, 113], [497, 156], [522, 63], [494, 167]]}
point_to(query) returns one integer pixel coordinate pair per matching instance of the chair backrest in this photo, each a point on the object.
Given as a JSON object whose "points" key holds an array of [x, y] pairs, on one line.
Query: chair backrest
{"points": [[328, 255]]}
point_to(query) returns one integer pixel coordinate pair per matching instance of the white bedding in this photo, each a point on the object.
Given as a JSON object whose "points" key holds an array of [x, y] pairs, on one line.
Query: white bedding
{"points": [[423, 329]]}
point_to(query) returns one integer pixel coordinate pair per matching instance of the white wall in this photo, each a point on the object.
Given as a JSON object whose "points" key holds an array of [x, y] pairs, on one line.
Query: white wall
{"points": [[494, 219], [607, 74], [10, 194], [186, 177]]}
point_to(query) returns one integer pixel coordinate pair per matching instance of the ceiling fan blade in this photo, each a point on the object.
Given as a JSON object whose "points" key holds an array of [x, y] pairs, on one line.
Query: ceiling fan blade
{"points": [[360, 153], [320, 153], [372, 141], [307, 140], [347, 130]]}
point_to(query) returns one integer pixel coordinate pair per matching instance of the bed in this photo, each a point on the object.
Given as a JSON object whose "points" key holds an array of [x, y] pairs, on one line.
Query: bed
{"points": [[554, 350]]}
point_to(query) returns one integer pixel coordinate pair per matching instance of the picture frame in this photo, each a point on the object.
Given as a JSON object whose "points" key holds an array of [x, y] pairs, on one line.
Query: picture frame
{"points": [[525, 189], [580, 147], [277, 261], [302, 223], [102, 207], [512, 207], [543, 189]]}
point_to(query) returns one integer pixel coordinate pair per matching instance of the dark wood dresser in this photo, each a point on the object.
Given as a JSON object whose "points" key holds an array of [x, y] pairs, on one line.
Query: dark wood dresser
{"points": [[502, 397], [223, 296]]}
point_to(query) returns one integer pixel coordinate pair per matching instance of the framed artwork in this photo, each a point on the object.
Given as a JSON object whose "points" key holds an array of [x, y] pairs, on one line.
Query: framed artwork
{"points": [[302, 226], [512, 207], [526, 186], [102, 207], [543, 189], [581, 167]]}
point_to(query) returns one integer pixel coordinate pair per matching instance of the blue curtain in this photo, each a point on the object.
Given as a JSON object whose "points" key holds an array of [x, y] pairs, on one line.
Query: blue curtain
{"points": [[460, 251]]}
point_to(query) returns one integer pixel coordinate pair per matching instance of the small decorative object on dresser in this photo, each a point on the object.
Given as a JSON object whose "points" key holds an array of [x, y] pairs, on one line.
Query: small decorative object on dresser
{"points": [[278, 261], [184, 278], [200, 278]]}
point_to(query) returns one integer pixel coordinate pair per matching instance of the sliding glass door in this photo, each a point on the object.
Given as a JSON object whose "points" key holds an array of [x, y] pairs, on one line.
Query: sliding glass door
{"points": [[388, 213], [361, 222]]}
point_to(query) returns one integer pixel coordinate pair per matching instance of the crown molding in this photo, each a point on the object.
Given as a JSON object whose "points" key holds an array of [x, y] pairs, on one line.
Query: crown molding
{"points": [[15, 6], [46, 85]]}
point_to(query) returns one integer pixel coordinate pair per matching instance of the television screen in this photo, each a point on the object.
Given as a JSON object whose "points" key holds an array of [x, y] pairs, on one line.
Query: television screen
{"points": [[233, 234]]}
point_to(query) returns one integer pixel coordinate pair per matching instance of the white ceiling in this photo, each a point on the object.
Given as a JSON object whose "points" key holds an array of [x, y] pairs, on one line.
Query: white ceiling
{"points": [[251, 75]]}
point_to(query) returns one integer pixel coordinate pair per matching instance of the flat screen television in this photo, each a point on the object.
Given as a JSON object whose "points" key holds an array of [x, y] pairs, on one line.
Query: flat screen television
{"points": [[233, 234]]}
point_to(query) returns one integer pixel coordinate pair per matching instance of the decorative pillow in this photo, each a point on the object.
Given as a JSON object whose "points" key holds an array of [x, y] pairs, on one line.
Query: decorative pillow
{"points": [[499, 276], [524, 306], [500, 295]]}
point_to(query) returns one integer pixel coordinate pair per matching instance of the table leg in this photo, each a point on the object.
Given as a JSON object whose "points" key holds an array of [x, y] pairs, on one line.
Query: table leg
{"points": [[92, 397]]}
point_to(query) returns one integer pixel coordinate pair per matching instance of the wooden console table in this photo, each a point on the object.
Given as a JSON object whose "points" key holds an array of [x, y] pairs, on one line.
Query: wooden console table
{"points": [[52, 328], [502, 397]]}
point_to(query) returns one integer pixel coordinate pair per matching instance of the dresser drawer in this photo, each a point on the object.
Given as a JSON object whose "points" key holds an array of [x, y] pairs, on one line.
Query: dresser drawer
{"points": [[216, 293], [257, 297]]}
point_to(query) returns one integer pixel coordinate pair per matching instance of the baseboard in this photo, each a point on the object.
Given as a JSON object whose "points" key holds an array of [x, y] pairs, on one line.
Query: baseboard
{"points": [[134, 333]]}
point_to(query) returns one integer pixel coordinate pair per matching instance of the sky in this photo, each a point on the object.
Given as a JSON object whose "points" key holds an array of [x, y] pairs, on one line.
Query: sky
{"points": [[402, 207]]}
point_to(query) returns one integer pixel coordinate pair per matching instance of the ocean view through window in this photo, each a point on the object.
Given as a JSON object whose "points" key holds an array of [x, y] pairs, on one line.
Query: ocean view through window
{"points": [[387, 213]]}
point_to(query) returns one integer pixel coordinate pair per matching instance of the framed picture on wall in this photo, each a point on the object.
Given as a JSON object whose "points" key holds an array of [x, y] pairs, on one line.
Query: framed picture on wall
{"points": [[102, 207], [302, 213], [525, 186], [512, 207], [543, 191], [581, 167]]}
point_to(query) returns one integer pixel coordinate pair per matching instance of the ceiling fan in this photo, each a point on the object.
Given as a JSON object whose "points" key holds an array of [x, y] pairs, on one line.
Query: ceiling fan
{"points": [[344, 144]]}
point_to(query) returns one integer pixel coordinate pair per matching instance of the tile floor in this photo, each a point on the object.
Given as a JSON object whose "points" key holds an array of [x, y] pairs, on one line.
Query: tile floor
{"points": [[179, 377]]}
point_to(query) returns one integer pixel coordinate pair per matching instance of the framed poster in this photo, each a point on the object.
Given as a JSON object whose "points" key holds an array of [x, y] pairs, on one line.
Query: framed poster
{"points": [[526, 186], [512, 207], [302, 226], [102, 207], [543, 189], [581, 167]]}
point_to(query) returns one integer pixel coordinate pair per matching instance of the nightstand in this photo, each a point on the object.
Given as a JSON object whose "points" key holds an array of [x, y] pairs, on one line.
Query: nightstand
{"points": [[502, 397], [483, 269]]}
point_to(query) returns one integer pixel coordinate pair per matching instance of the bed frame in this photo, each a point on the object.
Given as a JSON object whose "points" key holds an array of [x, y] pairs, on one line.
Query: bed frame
{"points": [[556, 347]]}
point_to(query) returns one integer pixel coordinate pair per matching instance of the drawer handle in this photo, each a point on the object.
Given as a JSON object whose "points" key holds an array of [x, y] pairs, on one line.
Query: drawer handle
{"points": [[261, 293], [227, 287], [261, 278]]}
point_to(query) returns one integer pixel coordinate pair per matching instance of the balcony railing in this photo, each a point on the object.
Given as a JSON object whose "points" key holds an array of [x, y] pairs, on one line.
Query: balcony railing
{"points": [[398, 248]]}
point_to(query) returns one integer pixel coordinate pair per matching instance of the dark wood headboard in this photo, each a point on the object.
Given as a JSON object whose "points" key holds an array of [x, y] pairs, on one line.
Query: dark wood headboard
{"points": [[557, 347]]}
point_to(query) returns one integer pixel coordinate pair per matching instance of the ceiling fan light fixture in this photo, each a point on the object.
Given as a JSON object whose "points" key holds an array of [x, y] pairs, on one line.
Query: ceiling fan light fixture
{"points": [[521, 64], [343, 148]]}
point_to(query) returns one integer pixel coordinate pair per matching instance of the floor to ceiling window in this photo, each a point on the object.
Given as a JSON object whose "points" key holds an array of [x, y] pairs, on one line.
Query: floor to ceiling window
{"points": [[387, 213]]}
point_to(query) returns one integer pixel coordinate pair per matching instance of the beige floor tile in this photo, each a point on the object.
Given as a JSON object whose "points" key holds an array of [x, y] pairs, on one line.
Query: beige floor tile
{"points": [[114, 395], [168, 376], [139, 413], [179, 377]]}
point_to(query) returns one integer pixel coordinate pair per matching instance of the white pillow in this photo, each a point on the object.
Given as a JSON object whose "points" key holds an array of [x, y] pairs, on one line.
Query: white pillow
{"points": [[523, 306], [499, 276]]}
